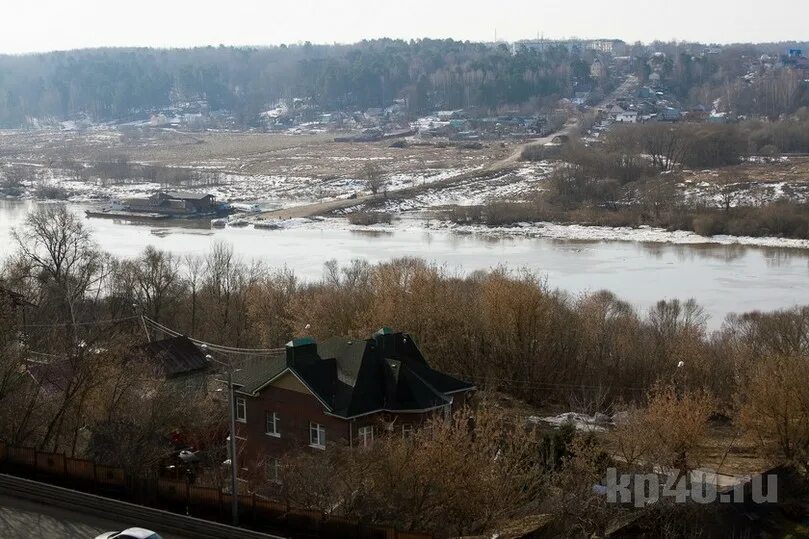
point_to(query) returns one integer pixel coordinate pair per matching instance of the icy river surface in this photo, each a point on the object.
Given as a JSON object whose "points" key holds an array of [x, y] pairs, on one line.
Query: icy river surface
{"points": [[722, 278]]}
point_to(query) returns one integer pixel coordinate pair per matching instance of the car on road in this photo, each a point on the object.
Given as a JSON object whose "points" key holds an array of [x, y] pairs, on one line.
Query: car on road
{"points": [[130, 533]]}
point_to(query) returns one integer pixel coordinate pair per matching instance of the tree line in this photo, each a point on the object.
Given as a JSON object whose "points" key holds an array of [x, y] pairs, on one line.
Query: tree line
{"points": [[115, 84], [634, 176]]}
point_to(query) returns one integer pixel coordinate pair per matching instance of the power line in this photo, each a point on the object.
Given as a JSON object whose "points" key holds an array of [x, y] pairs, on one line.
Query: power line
{"points": [[212, 346], [93, 323], [547, 385]]}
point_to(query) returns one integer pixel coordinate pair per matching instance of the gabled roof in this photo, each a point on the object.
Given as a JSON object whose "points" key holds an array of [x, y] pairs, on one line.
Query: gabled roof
{"points": [[17, 299], [356, 377], [184, 195], [52, 376], [175, 356]]}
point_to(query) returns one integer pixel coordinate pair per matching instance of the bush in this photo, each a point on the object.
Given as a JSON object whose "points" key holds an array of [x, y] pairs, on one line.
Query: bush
{"points": [[50, 191], [714, 146], [707, 225], [369, 218], [539, 152]]}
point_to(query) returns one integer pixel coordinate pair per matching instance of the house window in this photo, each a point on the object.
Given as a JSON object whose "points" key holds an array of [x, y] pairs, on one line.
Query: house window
{"points": [[366, 436], [317, 436], [273, 467], [241, 410], [407, 431], [271, 421]]}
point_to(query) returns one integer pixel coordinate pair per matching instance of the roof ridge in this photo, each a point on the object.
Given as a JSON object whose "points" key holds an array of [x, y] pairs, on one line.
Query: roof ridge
{"points": [[440, 394]]}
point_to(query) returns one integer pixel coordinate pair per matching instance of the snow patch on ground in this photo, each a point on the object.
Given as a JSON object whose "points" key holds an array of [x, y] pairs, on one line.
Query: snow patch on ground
{"points": [[516, 186], [744, 193], [581, 422]]}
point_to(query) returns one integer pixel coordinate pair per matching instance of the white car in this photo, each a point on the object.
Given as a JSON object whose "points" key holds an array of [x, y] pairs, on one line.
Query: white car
{"points": [[130, 533]]}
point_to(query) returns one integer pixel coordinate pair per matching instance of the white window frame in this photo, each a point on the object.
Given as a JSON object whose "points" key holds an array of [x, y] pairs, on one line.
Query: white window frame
{"points": [[271, 418], [318, 441], [241, 402], [365, 435]]}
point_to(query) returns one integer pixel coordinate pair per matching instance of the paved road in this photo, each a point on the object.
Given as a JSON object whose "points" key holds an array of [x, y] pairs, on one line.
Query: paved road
{"points": [[30, 520]]}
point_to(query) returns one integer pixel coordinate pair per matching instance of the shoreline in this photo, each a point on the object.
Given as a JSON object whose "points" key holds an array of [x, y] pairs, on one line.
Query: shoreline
{"points": [[547, 230]]}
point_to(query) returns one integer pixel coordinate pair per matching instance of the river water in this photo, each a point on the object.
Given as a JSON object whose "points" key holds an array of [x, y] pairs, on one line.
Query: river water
{"points": [[722, 278]]}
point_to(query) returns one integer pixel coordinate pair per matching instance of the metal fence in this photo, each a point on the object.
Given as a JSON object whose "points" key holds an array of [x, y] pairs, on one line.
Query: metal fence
{"points": [[181, 497]]}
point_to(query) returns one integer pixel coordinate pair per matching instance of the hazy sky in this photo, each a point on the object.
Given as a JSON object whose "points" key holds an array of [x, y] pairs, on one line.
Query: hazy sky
{"points": [[43, 25]]}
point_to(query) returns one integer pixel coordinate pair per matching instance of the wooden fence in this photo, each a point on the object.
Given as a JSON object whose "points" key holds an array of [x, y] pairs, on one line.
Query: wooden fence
{"points": [[179, 496]]}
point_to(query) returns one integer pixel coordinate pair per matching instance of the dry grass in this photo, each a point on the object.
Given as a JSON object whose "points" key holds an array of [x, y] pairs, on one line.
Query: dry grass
{"points": [[243, 153], [795, 169]]}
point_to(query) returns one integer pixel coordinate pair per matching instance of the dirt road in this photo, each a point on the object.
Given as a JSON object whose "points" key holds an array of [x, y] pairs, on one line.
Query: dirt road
{"points": [[496, 168]]}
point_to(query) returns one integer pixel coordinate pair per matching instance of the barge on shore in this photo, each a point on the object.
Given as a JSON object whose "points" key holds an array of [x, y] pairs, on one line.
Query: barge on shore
{"points": [[107, 213], [163, 205]]}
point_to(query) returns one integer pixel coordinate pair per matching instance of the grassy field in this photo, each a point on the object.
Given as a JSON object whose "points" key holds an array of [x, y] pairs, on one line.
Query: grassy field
{"points": [[242, 153]]}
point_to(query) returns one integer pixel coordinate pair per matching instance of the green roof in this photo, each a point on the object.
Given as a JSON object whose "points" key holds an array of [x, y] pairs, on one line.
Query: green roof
{"points": [[301, 341], [257, 373]]}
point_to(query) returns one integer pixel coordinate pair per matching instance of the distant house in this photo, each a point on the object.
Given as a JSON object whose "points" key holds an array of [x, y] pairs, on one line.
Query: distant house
{"points": [[608, 46], [670, 114], [447, 115], [51, 377], [17, 302], [174, 203], [338, 390], [14, 298], [597, 69], [627, 116], [179, 360]]}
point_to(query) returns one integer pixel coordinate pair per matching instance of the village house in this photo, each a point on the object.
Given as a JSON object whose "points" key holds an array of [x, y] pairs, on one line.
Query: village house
{"points": [[598, 70], [338, 391], [16, 301], [177, 360], [627, 116]]}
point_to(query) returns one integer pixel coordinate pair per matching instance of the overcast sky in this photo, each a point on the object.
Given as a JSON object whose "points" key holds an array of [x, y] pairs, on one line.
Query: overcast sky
{"points": [[44, 25]]}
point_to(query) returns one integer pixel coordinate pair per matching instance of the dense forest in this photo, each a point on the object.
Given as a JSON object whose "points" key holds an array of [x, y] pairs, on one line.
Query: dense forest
{"points": [[111, 84]]}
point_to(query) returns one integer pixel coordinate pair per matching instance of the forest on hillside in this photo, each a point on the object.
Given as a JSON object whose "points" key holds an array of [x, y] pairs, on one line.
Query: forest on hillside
{"points": [[120, 84], [108, 84]]}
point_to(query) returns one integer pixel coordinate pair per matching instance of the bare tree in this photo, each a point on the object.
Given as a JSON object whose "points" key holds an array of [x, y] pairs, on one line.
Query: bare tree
{"points": [[727, 190], [774, 407], [665, 143], [372, 175], [61, 255]]}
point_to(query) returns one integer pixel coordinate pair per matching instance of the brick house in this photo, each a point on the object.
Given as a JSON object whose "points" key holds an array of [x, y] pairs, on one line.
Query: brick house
{"points": [[338, 391]]}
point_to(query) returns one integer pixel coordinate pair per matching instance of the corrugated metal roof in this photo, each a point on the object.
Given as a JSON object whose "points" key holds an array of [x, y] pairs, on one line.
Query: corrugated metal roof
{"points": [[176, 356]]}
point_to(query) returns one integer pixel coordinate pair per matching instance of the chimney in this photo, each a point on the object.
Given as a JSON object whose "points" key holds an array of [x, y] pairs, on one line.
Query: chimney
{"points": [[300, 351]]}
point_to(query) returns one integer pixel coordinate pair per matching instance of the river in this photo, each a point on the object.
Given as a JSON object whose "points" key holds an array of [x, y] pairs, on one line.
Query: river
{"points": [[722, 278]]}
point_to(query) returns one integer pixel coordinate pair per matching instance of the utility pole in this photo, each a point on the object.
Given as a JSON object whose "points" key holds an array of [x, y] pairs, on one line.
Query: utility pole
{"points": [[234, 470], [234, 491]]}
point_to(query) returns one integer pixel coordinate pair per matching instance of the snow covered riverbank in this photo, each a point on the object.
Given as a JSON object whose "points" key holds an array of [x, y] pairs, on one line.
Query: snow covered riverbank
{"points": [[643, 234]]}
